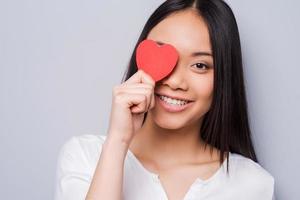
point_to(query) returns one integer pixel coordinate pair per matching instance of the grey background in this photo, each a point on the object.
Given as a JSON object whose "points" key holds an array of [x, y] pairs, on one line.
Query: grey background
{"points": [[59, 60]]}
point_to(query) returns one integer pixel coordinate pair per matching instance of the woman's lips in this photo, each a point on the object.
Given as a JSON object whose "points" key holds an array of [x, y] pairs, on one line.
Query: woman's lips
{"points": [[171, 107]]}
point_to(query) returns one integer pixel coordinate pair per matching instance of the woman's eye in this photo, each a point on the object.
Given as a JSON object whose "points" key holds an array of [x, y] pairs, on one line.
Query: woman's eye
{"points": [[201, 66]]}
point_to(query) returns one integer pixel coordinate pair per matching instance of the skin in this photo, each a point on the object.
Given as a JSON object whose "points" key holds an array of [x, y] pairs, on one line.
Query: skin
{"points": [[168, 144]]}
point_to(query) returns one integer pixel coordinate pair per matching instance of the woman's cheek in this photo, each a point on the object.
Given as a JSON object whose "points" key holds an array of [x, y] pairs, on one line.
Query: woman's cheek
{"points": [[203, 87]]}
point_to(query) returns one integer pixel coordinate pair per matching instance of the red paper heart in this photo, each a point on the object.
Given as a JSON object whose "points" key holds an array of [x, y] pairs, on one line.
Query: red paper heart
{"points": [[157, 61]]}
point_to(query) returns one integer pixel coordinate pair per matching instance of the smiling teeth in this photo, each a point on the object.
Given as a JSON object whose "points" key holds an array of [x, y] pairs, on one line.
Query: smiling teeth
{"points": [[173, 101]]}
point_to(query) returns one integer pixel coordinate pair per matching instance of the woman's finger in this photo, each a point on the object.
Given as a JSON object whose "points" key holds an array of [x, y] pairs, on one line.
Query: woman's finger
{"points": [[136, 102], [148, 92], [137, 85], [140, 77]]}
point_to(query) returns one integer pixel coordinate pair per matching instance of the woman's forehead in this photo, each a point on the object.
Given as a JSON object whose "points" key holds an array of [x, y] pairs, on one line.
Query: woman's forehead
{"points": [[185, 30]]}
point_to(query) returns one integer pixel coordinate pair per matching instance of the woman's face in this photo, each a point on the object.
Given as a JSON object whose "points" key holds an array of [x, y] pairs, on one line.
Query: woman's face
{"points": [[192, 77]]}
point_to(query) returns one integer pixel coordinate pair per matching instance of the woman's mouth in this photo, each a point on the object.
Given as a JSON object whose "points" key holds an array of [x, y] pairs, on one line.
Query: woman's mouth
{"points": [[172, 104]]}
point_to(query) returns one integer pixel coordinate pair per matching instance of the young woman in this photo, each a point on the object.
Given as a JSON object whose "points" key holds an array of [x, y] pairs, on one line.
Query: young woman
{"points": [[156, 144]]}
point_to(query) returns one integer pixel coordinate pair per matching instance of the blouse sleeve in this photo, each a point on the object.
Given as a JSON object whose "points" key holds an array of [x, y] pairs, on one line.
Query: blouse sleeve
{"points": [[270, 189], [73, 172], [265, 187], [256, 182]]}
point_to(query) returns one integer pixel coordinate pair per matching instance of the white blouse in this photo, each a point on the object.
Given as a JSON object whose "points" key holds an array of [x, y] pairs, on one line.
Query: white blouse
{"points": [[79, 156]]}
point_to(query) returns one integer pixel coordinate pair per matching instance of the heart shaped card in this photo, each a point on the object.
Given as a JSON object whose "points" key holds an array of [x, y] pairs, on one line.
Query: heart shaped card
{"points": [[156, 60]]}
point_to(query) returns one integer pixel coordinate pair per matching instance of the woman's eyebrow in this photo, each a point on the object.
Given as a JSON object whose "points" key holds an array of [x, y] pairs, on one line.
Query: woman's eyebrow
{"points": [[201, 53], [194, 54]]}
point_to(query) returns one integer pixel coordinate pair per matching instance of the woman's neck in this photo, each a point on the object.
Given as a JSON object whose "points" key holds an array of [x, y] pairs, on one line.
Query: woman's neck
{"points": [[168, 147]]}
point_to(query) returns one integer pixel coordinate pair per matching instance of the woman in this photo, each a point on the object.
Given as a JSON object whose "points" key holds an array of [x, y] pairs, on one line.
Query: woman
{"points": [[156, 144]]}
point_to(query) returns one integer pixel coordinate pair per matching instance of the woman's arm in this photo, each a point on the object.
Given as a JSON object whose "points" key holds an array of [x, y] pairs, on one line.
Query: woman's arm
{"points": [[107, 181], [75, 178], [131, 100]]}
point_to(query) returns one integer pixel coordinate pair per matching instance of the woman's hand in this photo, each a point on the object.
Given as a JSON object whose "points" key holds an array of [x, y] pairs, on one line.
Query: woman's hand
{"points": [[130, 101]]}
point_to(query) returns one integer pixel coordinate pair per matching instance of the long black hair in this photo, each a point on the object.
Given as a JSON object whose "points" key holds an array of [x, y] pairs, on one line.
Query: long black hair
{"points": [[226, 125]]}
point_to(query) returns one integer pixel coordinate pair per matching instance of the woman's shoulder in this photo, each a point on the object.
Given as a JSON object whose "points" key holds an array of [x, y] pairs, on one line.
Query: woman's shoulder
{"points": [[87, 139], [86, 142], [76, 164], [247, 166], [250, 173], [85, 148]]}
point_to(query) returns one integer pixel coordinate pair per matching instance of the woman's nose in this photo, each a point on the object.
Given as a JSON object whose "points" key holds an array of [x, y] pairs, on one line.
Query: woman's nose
{"points": [[177, 79]]}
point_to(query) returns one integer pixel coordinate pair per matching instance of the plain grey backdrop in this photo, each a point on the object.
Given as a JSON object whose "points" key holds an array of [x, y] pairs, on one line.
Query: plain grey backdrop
{"points": [[59, 60]]}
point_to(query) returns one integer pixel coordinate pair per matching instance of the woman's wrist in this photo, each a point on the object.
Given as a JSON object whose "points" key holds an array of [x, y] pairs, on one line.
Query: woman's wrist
{"points": [[116, 143]]}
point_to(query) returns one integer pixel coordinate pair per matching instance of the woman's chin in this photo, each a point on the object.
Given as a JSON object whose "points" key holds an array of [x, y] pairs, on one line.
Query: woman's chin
{"points": [[171, 123], [168, 125]]}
